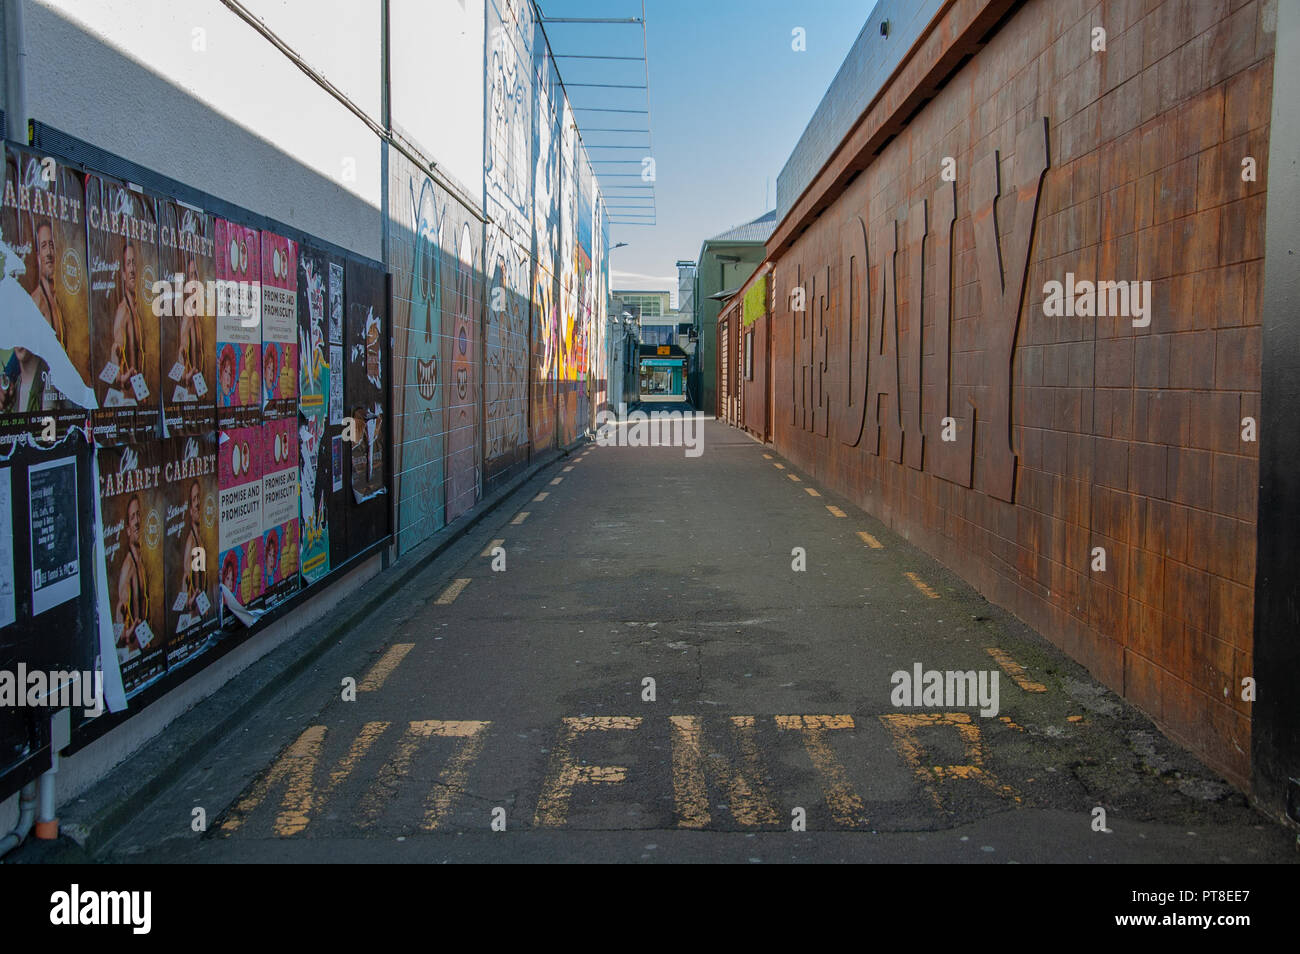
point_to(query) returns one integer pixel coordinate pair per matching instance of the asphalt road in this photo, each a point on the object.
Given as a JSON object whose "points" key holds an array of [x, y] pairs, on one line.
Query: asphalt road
{"points": [[508, 717]]}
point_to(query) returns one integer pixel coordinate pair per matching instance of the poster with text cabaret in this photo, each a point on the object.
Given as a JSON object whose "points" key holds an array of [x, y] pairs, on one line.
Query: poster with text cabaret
{"points": [[190, 548], [279, 509], [44, 297], [238, 372], [188, 316], [131, 499], [279, 326], [122, 229]]}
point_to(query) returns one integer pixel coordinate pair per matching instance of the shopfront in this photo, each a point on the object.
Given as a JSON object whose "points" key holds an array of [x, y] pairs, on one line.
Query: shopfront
{"points": [[662, 373]]}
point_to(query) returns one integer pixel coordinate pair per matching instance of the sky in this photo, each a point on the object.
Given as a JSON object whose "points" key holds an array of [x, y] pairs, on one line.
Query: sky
{"points": [[728, 99]]}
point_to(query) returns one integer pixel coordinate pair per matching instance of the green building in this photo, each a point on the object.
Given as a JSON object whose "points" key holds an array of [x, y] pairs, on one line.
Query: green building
{"points": [[726, 261]]}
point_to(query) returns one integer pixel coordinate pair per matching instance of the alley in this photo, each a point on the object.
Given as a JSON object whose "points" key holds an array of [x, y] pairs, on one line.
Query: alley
{"points": [[646, 655]]}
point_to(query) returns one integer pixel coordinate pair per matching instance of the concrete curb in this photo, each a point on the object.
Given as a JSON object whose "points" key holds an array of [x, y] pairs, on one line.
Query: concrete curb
{"points": [[98, 815]]}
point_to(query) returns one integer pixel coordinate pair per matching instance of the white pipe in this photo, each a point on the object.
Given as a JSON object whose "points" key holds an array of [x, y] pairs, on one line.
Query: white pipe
{"points": [[47, 822], [16, 78], [26, 816]]}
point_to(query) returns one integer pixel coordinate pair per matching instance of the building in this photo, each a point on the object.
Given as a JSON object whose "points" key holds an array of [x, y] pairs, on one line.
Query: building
{"points": [[724, 263], [648, 304], [1081, 403], [662, 373]]}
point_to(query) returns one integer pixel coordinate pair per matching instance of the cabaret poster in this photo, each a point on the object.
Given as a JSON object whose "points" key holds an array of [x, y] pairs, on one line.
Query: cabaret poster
{"points": [[187, 306], [190, 541]]}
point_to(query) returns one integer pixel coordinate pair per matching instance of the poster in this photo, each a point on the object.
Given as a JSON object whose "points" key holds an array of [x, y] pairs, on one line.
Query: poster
{"points": [[44, 297], [336, 303], [314, 379], [131, 498], [364, 377], [239, 535], [239, 325], [122, 226], [279, 509], [279, 326], [314, 479], [190, 496], [56, 557], [186, 252], [336, 457], [336, 384], [8, 608]]}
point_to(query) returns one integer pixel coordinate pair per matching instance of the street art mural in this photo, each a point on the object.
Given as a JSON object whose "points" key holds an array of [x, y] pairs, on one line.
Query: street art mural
{"points": [[460, 347]]}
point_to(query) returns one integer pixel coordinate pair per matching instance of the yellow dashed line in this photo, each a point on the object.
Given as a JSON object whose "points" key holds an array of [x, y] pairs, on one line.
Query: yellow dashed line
{"points": [[870, 541], [835, 511], [492, 546], [767, 457], [541, 496], [921, 585], [556, 481], [384, 667], [810, 492], [569, 468], [779, 466], [520, 517], [450, 593], [1015, 671], [793, 477]]}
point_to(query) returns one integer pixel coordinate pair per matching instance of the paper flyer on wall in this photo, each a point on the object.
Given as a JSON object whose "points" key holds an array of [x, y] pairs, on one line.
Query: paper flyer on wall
{"points": [[279, 509], [131, 496], [239, 467], [190, 488], [364, 359], [122, 228], [8, 607], [107, 661], [313, 325], [187, 266], [279, 326], [238, 372], [44, 298], [55, 548]]}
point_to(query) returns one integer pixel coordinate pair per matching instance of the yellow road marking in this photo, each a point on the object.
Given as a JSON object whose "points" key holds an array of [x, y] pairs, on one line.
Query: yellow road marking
{"points": [[487, 551], [1015, 670], [569, 468], [846, 807], [520, 518], [451, 781], [451, 592], [835, 511], [904, 727], [922, 585], [381, 670], [767, 457], [793, 477], [297, 769], [564, 773], [556, 481], [779, 466], [746, 792], [541, 496], [870, 541], [810, 492]]}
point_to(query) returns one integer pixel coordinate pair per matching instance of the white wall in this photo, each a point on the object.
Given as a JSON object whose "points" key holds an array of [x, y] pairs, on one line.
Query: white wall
{"points": [[437, 83], [222, 110]]}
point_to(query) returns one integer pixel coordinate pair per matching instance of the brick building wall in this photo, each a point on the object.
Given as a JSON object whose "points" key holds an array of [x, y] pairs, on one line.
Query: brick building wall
{"points": [[1067, 433]]}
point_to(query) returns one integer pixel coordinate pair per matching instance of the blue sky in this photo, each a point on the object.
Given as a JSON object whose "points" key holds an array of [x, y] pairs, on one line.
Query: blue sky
{"points": [[729, 98]]}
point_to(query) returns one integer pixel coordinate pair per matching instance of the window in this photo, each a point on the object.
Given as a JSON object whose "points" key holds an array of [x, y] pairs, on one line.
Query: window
{"points": [[749, 356]]}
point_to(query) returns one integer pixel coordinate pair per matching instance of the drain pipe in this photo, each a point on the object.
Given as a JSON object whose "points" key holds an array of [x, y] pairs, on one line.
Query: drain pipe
{"points": [[47, 823], [16, 66], [26, 816]]}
